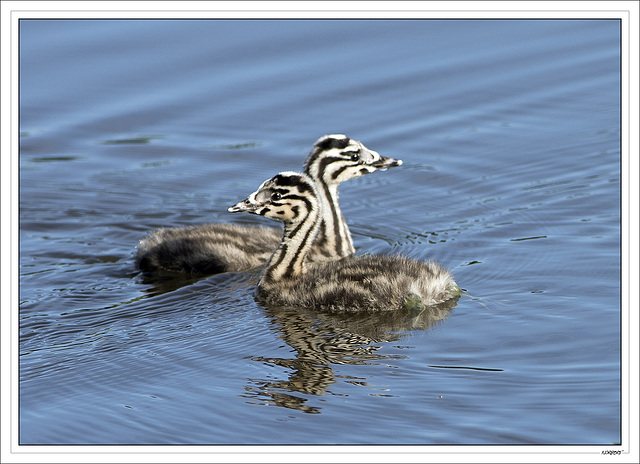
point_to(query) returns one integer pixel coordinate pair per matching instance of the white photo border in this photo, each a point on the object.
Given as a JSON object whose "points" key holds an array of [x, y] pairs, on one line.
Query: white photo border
{"points": [[627, 11]]}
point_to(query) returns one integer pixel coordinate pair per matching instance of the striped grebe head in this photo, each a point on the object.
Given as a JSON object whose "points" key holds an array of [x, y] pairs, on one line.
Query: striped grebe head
{"points": [[288, 197], [336, 158]]}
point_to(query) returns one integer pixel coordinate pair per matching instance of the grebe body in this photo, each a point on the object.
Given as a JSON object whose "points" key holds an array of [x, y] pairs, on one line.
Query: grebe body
{"points": [[371, 283]]}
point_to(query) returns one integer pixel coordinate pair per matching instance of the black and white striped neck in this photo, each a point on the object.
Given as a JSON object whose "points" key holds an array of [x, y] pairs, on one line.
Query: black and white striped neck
{"points": [[334, 159], [289, 258]]}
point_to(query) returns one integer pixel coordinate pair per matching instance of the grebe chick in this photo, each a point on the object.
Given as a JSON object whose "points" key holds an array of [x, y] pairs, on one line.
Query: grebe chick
{"points": [[370, 283], [214, 248]]}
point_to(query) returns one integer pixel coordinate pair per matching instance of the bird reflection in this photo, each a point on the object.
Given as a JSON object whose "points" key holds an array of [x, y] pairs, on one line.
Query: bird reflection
{"points": [[162, 282], [321, 340]]}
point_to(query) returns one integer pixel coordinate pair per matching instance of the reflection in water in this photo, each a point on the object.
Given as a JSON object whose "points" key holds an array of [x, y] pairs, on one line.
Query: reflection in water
{"points": [[161, 282], [321, 340]]}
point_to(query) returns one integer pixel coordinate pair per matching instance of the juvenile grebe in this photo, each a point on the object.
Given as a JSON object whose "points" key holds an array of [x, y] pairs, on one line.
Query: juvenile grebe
{"points": [[214, 248], [370, 283]]}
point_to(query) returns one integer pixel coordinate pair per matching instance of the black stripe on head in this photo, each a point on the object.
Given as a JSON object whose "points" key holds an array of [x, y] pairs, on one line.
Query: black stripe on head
{"points": [[327, 143], [323, 144], [325, 163], [305, 200], [293, 181], [335, 174]]}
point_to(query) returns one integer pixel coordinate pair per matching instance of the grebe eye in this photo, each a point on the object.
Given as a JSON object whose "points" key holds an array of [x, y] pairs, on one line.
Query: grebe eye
{"points": [[275, 196]]}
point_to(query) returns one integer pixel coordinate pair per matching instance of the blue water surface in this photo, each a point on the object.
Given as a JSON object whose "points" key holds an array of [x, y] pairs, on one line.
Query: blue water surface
{"points": [[510, 135]]}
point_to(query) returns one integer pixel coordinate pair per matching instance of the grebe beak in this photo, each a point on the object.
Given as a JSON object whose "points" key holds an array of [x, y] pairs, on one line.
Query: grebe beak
{"points": [[245, 206], [386, 162]]}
